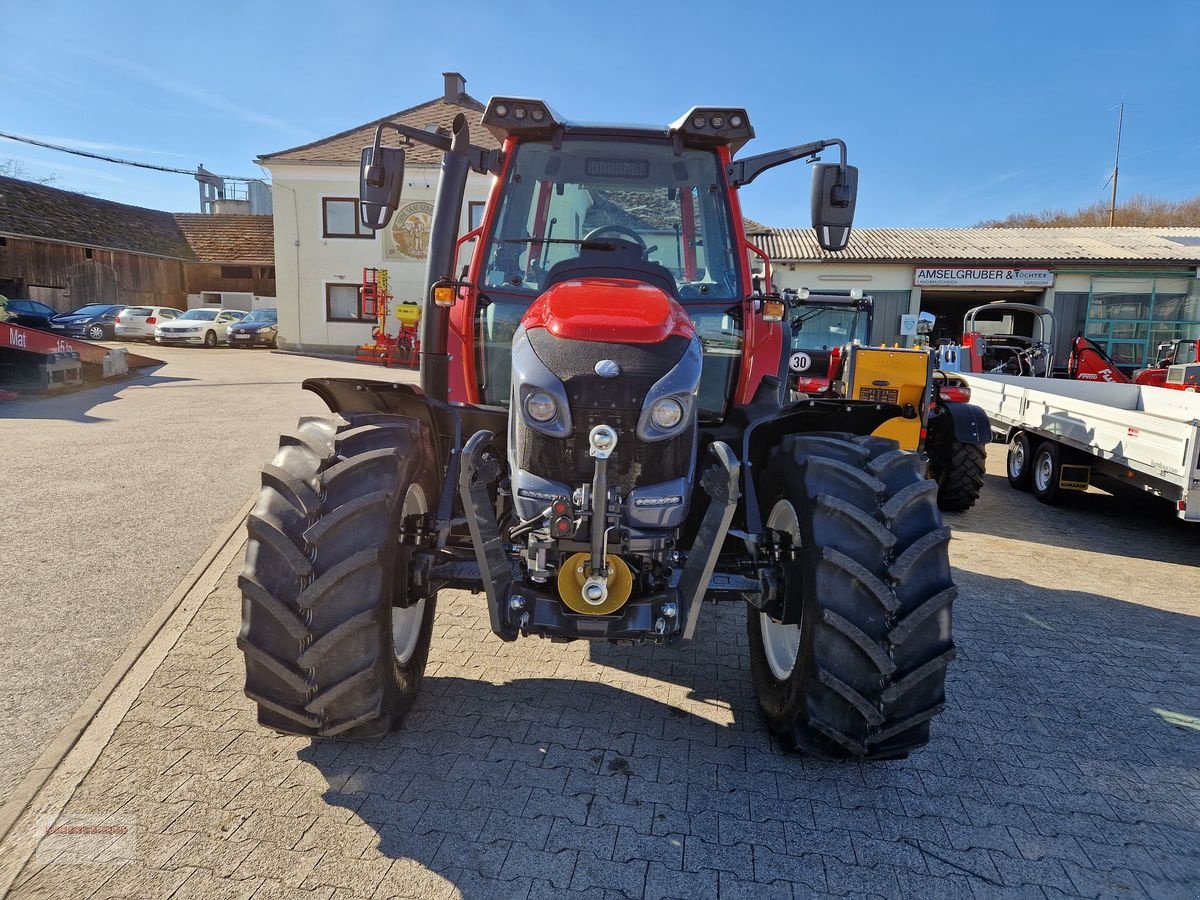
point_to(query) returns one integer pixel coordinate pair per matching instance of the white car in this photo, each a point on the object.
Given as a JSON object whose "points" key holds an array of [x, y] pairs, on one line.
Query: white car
{"points": [[136, 323], [198, 326]]}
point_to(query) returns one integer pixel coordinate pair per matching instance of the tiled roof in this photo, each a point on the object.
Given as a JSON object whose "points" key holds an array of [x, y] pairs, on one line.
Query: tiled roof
{"points": [[229, 238], [1118, 245], [38, 211], [346, 146]]}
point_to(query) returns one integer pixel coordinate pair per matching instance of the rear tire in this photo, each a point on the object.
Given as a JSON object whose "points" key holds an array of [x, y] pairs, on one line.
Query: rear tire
{"points": [[960, 479], [1020, 462], [860, 672], [1046, 472], [332, 642]]}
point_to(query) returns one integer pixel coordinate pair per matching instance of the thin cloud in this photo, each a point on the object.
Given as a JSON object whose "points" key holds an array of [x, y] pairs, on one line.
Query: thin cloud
{"points": [[200, 95], [97, 146], [40, 166]]}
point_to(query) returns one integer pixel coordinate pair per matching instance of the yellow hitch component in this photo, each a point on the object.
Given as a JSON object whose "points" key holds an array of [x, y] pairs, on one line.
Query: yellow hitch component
{"points": [[573, 573], [892, 375]]}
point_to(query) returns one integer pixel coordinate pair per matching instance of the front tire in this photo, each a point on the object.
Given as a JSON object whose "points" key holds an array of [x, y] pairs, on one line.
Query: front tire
{"points": [[210, 339], [960, 476], [857, 667], [95, 332], [334, 644], [1020, 462]]}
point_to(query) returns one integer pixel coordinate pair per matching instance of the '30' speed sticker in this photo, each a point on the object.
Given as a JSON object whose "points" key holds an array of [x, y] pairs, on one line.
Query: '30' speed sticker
{"points": [[800, 361]]}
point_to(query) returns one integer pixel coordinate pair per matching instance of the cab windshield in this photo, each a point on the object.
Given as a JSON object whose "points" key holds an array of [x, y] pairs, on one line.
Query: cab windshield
{"points": [[672, 205], [824, 329]]}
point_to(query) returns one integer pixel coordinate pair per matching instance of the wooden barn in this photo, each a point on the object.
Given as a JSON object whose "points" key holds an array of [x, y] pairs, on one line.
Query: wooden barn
{"points": [[68, 250]]}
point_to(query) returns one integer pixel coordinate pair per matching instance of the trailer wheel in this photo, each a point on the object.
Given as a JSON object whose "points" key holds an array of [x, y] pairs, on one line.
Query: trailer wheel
{"points": [[1020, 462], [856, 667], [333, 643], [960, 476], [1046, 472]]}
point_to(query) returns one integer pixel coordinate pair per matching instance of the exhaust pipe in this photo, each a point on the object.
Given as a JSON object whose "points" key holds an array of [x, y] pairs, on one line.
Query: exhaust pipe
{"points": [[447, 208]]}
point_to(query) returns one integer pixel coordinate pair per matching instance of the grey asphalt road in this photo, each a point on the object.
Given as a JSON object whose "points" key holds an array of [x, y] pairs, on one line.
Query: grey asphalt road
{"points": [[108, 497]]}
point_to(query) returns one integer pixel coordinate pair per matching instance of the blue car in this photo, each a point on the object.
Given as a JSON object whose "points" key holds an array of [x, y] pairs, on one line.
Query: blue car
{"points": [[96, 322]]}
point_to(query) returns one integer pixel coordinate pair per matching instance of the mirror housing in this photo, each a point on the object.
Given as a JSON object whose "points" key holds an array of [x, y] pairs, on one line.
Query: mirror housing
{"points": [[833, 204], [380, 177]]}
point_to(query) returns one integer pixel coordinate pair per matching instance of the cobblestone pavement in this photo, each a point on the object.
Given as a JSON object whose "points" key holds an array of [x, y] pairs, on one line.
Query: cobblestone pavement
{"points": [[1066, 763]]}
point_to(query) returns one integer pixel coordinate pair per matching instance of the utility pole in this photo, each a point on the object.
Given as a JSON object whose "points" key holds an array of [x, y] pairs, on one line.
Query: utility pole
{"points": [[1112, 208]]}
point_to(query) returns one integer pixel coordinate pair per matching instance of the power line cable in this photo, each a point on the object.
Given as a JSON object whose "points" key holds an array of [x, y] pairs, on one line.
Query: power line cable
{"points": [[120, 162]]}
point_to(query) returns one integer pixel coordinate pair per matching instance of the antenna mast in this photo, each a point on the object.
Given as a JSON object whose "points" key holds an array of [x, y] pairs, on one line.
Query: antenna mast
{"points": [[1112, 208]]}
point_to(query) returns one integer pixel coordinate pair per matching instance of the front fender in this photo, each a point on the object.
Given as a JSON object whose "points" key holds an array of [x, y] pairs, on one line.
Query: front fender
{"points": [[965, 422]]}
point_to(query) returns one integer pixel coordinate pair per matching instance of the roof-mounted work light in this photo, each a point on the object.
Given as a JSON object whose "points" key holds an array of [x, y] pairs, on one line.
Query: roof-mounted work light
{"points": [[714, 125], [522, 116]]}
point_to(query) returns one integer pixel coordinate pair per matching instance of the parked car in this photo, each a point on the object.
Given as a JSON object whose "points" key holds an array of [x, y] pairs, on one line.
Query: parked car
{"points": [[136, 323], [29, 313], [198, 326], [261, 327], [95, 322]]}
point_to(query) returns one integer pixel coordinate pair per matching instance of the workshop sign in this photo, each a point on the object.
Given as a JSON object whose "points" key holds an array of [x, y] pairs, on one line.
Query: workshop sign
{"points": [[1000, 278], [408, 236]]}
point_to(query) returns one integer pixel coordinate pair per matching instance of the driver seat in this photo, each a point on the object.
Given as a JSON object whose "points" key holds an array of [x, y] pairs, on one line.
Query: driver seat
{"points": [[612, 258]]}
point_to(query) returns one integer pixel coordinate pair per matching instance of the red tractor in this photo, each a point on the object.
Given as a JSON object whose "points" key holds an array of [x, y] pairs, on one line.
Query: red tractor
{"points": [[603, 438]]}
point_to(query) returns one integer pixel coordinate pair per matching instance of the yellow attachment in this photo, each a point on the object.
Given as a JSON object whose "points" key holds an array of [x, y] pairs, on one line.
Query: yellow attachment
{"points": [[408, 313], [573, 573], [891, 375]]}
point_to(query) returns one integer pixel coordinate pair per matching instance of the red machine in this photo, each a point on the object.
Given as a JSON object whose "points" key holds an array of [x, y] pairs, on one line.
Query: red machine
{"points": [[603, 439], [1178, 366], [403, 348]]}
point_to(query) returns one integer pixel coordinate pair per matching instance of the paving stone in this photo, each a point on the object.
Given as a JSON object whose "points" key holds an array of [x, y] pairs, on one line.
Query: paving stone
{"points": [[627, 877], [597, 839], [667, 850], [664, 883], [556, 869]]}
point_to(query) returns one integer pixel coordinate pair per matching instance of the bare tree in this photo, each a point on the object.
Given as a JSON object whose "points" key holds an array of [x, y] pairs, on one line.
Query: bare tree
{"points": [[1141, 209], [14, 168]]}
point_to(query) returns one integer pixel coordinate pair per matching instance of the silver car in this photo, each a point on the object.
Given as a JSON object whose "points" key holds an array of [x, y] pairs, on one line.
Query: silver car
{"points": [[136, 323], [198, 326]]}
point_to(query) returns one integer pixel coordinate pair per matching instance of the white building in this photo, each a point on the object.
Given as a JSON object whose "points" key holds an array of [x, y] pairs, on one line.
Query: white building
{"points": [[321, 248]]}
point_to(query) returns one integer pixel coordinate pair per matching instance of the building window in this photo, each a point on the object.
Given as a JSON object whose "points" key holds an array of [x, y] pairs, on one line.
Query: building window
{"points": [[475, 214], [339, 218], [87, 253], [1130, 317], [236, 272], [267, 272], [343, 303]]}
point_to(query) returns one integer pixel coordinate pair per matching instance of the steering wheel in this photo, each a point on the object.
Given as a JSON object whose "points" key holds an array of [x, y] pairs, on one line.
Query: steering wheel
{"points": [[620, 229]]}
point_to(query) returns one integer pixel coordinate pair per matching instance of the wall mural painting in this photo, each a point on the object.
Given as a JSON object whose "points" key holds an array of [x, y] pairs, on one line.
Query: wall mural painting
{"points": [[408, 235]]}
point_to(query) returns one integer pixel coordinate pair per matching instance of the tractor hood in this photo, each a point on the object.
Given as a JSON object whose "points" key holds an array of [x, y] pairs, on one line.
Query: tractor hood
{"points": [[609, 310]]}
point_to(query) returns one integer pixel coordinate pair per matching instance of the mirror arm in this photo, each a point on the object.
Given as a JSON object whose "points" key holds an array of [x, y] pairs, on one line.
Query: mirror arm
{"points": [[743, 171], [483, 161]]}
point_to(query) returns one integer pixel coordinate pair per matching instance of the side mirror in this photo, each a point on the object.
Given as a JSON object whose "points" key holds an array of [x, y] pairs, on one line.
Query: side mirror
{"points": [[380, 177], [833, 204]]}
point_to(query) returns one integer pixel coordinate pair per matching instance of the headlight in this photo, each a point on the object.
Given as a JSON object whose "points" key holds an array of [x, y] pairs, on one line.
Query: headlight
{"points": [[666, 413], [541, 407]]}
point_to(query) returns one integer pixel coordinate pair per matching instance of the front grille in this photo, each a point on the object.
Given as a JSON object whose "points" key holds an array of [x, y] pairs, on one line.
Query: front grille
{"points": [[606, 401]]}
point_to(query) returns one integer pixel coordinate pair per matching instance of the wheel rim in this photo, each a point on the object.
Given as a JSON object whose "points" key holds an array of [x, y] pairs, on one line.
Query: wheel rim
{"points": [[1043, 472], [1016, 459], [781, 643], [210, 339], [96, 333], [406, 622]]}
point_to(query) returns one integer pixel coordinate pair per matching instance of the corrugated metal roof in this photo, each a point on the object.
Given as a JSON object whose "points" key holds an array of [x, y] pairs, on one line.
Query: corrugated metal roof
{"points": [[1025, 245], [346, 146], [230, 237]]}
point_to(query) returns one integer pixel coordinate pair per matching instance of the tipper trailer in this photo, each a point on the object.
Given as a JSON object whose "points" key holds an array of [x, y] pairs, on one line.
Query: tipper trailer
{"points": [[1066, 435]]}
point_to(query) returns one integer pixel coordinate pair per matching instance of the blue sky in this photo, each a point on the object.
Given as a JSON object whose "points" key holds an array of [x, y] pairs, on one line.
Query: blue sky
{"points": [[954, 111]]}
